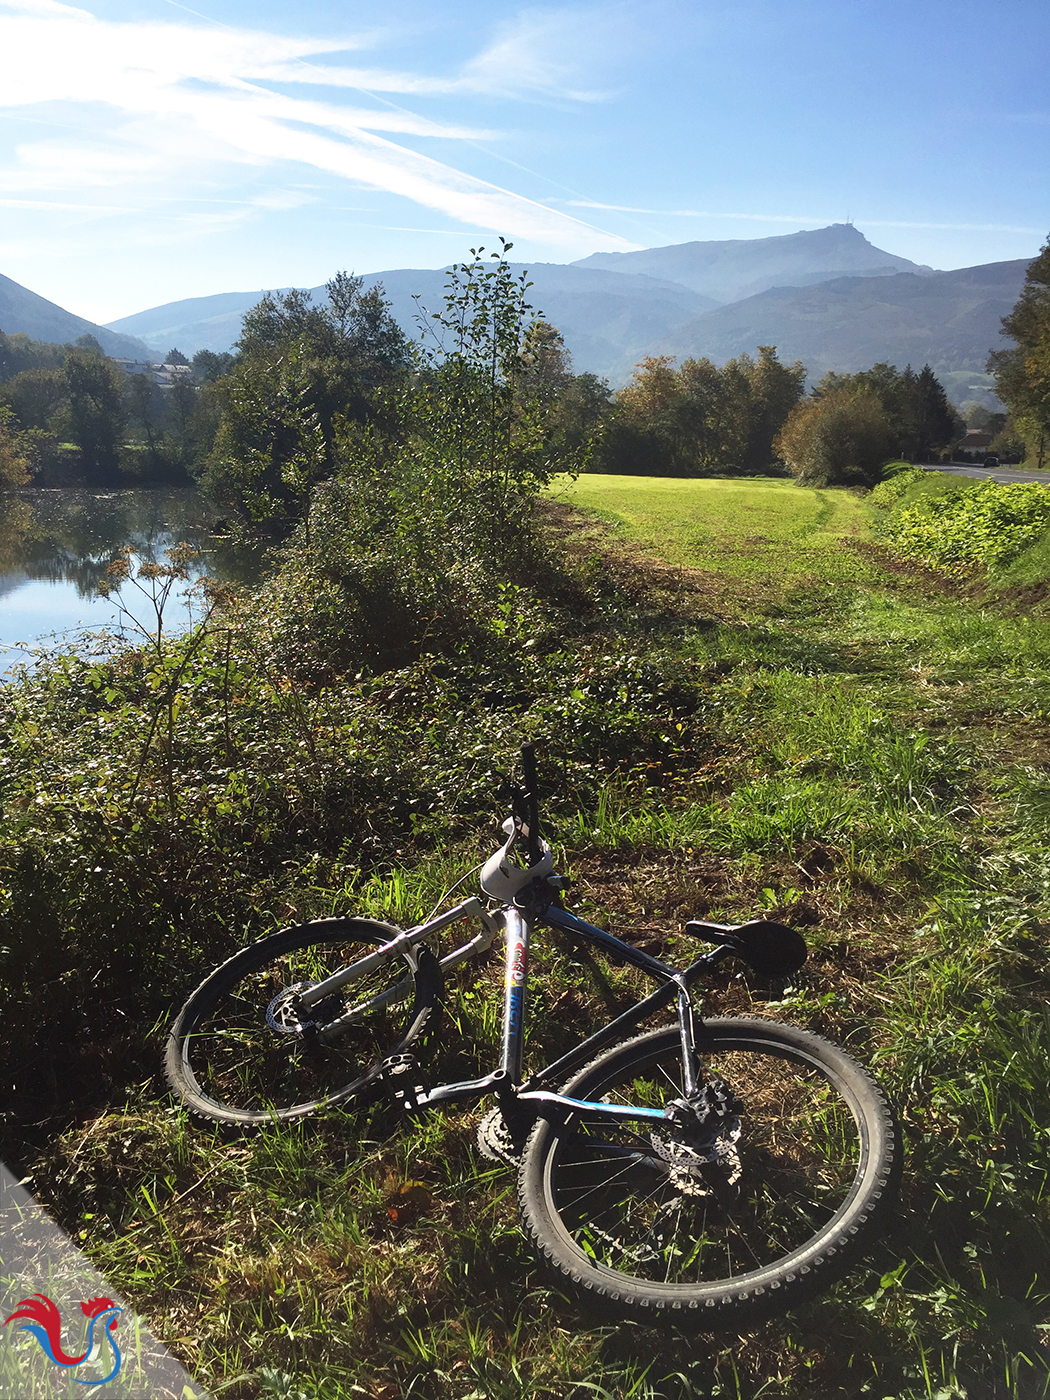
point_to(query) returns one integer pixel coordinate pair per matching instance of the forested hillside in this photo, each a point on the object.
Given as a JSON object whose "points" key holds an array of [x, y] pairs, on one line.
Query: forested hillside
{"points": [[26, 313], [949, 320]]}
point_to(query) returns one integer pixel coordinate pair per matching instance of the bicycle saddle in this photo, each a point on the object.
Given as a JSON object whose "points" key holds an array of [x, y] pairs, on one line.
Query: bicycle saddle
{"points": [[770, 949]]}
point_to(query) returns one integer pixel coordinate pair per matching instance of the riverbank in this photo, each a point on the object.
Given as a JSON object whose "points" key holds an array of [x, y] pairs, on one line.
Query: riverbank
{"points": [[823, 736], [56, 546]]}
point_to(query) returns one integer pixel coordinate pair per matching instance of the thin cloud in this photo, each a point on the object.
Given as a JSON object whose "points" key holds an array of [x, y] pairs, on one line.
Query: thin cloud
{"points": [[177, 77], [45, 7], [66, 207], [961, 228], [698, 213], [537, 51], [537, 54], [797, 218]]}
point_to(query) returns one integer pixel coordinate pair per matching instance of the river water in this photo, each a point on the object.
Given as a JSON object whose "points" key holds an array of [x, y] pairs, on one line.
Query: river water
{"points": [[56, 547]]}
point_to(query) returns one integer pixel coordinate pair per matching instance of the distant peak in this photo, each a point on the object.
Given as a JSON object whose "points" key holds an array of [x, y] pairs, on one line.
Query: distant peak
{"points": [[835, 232]]}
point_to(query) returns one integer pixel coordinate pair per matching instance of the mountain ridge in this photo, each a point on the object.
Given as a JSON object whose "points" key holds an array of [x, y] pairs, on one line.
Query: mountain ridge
{"points": [[730, 269], [24, 311], [884, 308], [949, 320]]}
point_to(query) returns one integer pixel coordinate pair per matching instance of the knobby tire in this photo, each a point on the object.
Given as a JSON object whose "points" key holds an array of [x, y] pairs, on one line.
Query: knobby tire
{"points": [[224, 1060], [647, 1230]]}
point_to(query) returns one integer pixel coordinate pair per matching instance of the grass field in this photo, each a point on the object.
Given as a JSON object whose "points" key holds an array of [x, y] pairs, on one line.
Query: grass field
{"points": [[759, 711], [756, 528]]}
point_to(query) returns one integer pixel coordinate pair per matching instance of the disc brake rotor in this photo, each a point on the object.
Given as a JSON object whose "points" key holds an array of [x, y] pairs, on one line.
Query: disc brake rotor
{"points": [[699, 1145], [285, 1015]]}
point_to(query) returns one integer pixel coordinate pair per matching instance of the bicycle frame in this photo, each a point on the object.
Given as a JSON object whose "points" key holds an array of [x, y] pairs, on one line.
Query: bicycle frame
{"points": [[505, 1081]]}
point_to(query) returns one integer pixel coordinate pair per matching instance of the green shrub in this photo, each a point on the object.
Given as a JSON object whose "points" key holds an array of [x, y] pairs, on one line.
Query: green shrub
{"points": [[986, 527], [897, 480]]}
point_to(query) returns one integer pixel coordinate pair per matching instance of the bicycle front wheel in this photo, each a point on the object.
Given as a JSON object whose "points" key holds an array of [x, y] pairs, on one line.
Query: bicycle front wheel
{"points": [[241, 1052], [749, 1216]]}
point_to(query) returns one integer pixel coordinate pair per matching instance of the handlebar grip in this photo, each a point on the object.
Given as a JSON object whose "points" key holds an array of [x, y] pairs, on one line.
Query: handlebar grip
{"points": [[528, 768]]}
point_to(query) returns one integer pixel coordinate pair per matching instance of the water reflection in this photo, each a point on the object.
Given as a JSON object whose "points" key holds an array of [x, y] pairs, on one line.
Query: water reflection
{"points": [[55, 548]]}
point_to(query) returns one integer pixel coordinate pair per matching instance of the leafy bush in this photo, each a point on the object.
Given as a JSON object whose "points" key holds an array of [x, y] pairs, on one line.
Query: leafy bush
{"points": [[985, 527], [841, 438], [897, 480]]}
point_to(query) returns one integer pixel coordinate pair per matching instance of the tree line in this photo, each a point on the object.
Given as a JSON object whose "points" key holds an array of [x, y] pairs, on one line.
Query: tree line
{"points": [[1022, 372], [318, 391], [68, 412]]}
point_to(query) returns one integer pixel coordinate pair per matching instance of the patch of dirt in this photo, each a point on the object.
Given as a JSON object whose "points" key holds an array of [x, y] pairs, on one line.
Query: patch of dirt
{"points": [[645, 898], [637, 576], [1024, 598], [897, 566]]}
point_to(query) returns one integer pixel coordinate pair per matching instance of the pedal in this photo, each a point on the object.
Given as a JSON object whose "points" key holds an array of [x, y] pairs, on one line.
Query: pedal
{"points": [[404, 1082]]}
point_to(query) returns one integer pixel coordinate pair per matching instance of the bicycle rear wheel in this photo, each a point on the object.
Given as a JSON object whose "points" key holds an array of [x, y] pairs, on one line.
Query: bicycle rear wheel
{"points": [[743, 1220], [240, 1052]]}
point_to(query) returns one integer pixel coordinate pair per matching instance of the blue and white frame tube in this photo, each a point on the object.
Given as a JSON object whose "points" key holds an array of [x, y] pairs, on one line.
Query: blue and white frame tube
{"points": [[516, 931]]}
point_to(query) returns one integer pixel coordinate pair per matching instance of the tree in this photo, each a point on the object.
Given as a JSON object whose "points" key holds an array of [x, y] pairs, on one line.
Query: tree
{"points": [[175, 357], [303, 372], [209, 366], [702, 419], [145, 405], [567, 409], [545, 366], [580, 417], [18, 353], [428, 516], [94, 414], [1022, 374], [773, 390], [481, 416], [652, 391], [841, 437], [36, 395], [13, 464], [921, 421], [934, 422], [181, 419]]}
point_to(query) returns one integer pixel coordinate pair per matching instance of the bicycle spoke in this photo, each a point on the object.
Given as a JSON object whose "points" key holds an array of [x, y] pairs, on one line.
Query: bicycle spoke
{"points": [[651, 1208]]}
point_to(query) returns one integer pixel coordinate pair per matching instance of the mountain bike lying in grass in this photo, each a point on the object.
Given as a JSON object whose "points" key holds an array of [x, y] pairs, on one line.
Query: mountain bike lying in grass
{"points": [[724, 1167]]}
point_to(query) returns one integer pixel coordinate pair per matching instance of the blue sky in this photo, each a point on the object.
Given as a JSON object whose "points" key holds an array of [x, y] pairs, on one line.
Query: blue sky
{"points": [[154, 150]]}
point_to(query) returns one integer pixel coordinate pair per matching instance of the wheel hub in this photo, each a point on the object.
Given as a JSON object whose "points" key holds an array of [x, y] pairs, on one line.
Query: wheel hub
{"points": [[699, 1141], [284, 1013]]}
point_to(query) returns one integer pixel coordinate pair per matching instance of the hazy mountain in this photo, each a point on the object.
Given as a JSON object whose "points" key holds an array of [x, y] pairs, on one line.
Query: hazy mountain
{"points": [[198, 323], [741, 267], [601, 314], [947, 319], [22, 310], [613, 308]]}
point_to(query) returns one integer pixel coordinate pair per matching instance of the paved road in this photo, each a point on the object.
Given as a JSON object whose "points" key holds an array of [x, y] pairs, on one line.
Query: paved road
{"points": [[990, 473]]}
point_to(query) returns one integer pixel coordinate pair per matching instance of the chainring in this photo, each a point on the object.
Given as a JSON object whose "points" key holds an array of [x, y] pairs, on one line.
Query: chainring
{"points": [[495, 1141]]}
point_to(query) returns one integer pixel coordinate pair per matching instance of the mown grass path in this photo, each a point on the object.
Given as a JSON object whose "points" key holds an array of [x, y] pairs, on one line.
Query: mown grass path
{"points": [[740, 527]]}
